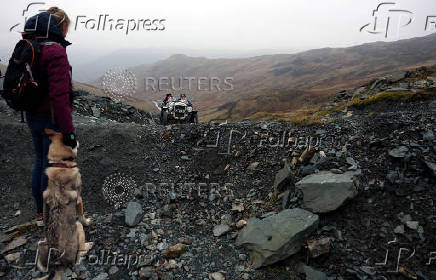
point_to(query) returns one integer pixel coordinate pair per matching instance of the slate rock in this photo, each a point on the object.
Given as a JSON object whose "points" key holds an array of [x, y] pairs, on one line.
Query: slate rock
{"points": [[311, 273], [368, 270], [351, 162], [397, 89], [412, 225], [359, 91], [399, 152], [95, 111], [134, 214], [326, 191], [307, 170], [431, 166], [396, 76], [102, 276], [278, 236], [429, 136], [220, 230], [284, 178]]}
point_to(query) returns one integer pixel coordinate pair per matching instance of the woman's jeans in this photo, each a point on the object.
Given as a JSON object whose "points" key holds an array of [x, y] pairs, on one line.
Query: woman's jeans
{"points": [[41, 142]]}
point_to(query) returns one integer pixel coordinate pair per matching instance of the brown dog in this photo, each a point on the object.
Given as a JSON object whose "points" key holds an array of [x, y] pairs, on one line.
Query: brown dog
{"points": [[64, 241]]}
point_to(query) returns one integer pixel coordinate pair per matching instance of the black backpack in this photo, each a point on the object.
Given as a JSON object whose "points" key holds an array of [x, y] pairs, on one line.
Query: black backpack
{"points": [[20, 86]]}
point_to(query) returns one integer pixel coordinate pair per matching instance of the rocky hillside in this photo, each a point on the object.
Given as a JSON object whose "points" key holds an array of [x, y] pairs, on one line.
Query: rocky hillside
{"points": [[321, 197], [269, 84]]}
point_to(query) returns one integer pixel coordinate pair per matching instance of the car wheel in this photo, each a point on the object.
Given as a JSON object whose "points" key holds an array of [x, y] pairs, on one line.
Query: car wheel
{"points": [[194, 118], [164, 118]]}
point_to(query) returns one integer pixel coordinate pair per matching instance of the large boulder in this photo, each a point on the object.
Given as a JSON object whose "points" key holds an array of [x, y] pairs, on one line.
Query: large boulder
{"points": [[278, 236], [326, 191]]}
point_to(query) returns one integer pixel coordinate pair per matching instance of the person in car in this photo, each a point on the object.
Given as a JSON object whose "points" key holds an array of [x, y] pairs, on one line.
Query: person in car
{"points": [[184, 98], [168, 98]]}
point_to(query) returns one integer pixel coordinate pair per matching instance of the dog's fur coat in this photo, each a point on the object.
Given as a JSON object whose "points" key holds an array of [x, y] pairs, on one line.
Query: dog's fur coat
{"points": [[64, 238]]}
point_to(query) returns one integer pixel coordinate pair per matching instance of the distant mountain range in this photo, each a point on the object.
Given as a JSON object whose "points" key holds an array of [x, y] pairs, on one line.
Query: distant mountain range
{"points": [[89, 67], [270, 85]]}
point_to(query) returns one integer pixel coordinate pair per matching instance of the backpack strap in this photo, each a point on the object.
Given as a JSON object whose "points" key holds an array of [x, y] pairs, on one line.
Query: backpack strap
{"points": [[33, 51]]}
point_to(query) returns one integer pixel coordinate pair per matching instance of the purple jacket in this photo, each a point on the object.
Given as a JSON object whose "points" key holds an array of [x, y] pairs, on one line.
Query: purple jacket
{"points": [[54, 71], [54, 66]]}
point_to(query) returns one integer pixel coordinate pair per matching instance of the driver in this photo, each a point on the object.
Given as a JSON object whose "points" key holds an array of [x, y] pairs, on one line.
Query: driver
{"points": [[184, 98]]}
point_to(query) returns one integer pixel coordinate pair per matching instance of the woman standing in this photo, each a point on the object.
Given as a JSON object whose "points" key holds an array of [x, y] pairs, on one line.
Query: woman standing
{"points": [[55, 110]]}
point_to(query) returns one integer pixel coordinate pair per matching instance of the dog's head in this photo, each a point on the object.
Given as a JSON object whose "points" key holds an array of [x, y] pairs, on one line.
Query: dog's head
{"points": [[58, 150]]}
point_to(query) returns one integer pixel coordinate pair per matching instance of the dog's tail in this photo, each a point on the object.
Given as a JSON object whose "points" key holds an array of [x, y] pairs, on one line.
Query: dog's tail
{"points": [[55, 202]]}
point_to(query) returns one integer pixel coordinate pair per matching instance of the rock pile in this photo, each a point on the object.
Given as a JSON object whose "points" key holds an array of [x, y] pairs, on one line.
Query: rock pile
{"points": [[86, 104]]}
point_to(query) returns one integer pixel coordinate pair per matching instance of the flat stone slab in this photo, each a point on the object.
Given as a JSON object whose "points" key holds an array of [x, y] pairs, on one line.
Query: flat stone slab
{"points": [[326, 191], [278, 236]]}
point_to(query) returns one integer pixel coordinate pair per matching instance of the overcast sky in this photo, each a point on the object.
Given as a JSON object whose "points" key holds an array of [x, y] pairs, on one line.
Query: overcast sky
{"points": [[228, 24]]}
